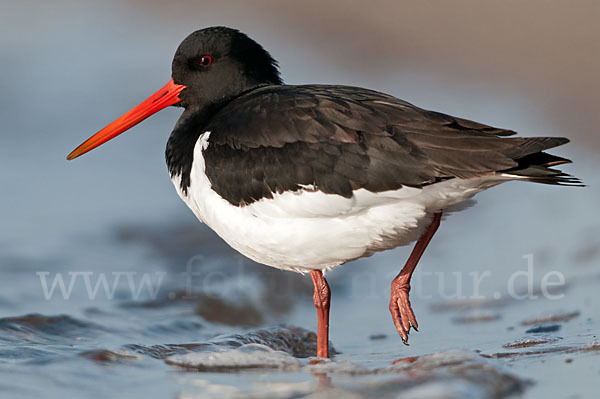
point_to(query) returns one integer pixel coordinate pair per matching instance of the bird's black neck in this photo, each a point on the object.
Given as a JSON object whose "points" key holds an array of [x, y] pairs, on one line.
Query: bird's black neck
{"points": [[179, 153]]}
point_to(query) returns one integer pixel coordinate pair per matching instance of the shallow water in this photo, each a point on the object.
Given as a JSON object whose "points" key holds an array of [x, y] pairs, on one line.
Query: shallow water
{"points": [[232, 334], [182, 315]]}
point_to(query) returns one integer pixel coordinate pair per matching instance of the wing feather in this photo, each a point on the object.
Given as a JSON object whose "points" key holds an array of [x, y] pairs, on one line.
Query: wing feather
{"points": [[338, 139]]}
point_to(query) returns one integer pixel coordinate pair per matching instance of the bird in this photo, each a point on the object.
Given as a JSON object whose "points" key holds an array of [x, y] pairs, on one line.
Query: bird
{"points": [[306, 178]]}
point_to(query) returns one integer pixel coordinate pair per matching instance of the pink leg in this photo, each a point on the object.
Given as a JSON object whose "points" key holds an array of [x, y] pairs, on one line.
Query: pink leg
{"points": [[400, 308], [322, 299]]}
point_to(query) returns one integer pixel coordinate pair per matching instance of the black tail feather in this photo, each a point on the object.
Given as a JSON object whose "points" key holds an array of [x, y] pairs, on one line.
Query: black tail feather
{"points": [[536, 167]]}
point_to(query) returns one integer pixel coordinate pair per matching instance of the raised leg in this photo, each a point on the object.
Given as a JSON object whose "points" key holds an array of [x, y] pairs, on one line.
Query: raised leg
{"points": [[322, 298], [402, 312]]}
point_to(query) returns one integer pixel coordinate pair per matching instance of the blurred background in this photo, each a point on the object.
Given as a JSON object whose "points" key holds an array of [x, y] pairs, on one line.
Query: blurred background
{"points": [[70, 67]]}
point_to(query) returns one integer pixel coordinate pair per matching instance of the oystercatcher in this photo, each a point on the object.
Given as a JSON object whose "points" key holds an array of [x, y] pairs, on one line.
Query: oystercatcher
{"points": [[307, 178]]}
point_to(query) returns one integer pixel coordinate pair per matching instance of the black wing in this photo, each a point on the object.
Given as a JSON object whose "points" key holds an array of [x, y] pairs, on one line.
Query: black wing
{"points": [[339, 139]]}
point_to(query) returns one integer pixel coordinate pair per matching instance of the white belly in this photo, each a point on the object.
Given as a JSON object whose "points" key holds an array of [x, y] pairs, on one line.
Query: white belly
{"points": [[307, 230]]}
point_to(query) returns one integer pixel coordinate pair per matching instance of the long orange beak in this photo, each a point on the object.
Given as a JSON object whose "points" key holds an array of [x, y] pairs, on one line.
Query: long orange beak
{"points": [[166, 96]]}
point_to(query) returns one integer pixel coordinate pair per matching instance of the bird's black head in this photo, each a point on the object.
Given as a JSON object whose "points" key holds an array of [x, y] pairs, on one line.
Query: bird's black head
{"points": [[211, 66], [216, 64]]}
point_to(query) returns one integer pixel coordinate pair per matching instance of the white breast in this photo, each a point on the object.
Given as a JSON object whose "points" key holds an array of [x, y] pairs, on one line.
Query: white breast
{"points": [[307, 230]]}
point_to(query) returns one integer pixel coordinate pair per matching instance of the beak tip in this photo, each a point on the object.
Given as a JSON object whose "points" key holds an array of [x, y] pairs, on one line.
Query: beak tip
{"points": [[168, 95]]}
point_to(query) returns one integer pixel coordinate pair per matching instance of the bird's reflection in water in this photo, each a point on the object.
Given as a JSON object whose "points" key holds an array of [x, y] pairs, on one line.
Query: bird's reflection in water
{"points": [[324, 380]]}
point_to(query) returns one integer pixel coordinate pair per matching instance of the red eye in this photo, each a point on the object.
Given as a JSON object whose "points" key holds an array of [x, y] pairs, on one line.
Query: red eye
{"points": [[206, 60]]}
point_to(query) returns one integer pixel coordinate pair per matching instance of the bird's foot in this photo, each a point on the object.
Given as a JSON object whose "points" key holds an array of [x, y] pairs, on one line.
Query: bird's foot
{"points": [[402, 312]]}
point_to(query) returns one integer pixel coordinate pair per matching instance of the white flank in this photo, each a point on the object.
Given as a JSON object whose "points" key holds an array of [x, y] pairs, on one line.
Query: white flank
{"points": [[307, 229]]}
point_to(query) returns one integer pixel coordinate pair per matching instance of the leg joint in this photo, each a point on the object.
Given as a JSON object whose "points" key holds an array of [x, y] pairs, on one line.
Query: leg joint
{"points": [[322, 293]]}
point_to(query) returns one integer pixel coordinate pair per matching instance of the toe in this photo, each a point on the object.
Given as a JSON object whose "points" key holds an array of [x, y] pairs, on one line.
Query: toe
{"points": [[398, 323], [404, 316], [413, 320]]}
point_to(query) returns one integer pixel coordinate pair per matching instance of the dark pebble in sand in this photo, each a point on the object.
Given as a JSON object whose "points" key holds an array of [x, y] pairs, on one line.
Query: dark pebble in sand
{"points": [[593, 346], [102, 355], [551, 318], [543, 328], [529, 342]]}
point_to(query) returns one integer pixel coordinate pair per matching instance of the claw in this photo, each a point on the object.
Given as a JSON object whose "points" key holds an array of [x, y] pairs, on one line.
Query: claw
{"points": [[413, 321]]}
